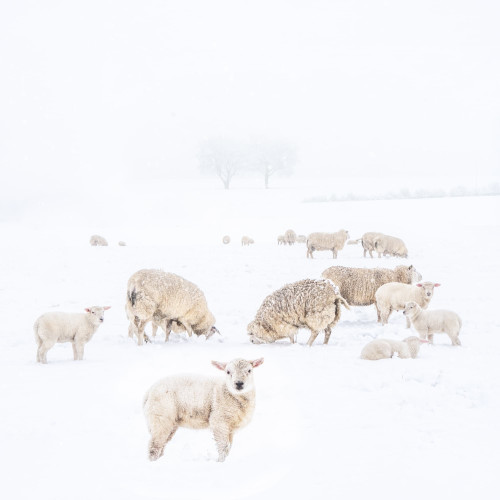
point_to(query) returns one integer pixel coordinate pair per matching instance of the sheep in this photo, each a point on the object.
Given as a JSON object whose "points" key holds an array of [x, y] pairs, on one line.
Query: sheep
{"points": [[167, 298], [393, 297], [281, 239], [122, 244], [311, 304], [301, 238], [77, 328], [290, 236], [427, 323], [368, 242], [358, 285], [98, 241], [245, 240], [326, 241], [223, 405], [386, 348], [226, 239], [390, 245]]}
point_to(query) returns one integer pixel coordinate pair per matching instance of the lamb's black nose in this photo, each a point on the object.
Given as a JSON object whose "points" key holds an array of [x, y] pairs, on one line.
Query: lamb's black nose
{"points": [[239, 385]]}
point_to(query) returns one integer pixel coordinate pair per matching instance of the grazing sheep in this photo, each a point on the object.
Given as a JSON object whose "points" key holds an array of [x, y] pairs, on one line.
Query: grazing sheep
{"points": [[358, 285], [386, 348], [353, 242], [290, 236], [98, 241], [368, 242], [122, 244], [167, 298], [394, 296], [226, 239], [281, 239], [326, 241], [223, 405], [301, 238], [427, 323], [390, 245], [311, 304], [245, 240], [57, 327]]}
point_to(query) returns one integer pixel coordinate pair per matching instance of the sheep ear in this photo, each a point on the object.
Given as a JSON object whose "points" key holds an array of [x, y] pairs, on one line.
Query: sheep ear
{"points": [[106, 308], [437, 284], [219, 365], [257, 362], [87, 309], [411, 267], [419, 284]]}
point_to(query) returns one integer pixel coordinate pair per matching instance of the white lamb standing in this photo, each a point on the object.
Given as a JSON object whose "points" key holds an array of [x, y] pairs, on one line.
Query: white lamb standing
{"points": [[223, 405], [394, 296], [77, 328], [386, 348], [427, 323]]}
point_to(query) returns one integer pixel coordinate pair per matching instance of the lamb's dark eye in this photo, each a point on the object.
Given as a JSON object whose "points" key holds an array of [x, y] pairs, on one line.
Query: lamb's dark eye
{"points": [[249, 371], [228, 372]]}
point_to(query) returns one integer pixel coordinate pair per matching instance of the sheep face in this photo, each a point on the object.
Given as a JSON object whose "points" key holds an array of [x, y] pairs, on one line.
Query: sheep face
{"points": [[411, 308], [96, 314], [414, 274], [259, 335], [239, 374], [428, 288]]}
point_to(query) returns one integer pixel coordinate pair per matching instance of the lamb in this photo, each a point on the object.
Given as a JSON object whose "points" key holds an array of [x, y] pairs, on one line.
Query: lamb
{"points": [[77, 328], [226, 239], [427, 323], [358, 285], [245, 240], [390, 245], [326, 241], [290, 236], [98, 241], [386, 348], [197, 402], [311, 304], [281, 239], [301, 238], [167, 298], [393, 297], [157, 321], [368, 241]]}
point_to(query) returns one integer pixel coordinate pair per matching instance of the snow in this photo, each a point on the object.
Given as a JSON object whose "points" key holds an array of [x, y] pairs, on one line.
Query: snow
{"points": [[326, 423]]}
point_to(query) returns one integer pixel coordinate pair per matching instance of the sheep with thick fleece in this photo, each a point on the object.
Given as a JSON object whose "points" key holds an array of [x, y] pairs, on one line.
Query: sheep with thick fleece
{"points": [[427, 323], [98, 241], [386, 348], [58, 327], [326, 241], [154, 293], [246, 240], [311, 304], [358, 285], [368, 242], [390, 245], [290, 237], [223, 405], [394, 296]]}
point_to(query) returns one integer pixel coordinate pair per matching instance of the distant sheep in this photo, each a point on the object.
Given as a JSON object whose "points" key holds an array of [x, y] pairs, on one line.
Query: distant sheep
{"points": [[281, 239], [301, 238], [226, 239], [223, 405], [427, 323], [290, 236], [311, 304], [167, 298], [58, 327], [122, 244], [368, 241], [245, 241], [358, 285], [326, 241], [386, 348], [98, 241], [393, 297], [390, 245]]}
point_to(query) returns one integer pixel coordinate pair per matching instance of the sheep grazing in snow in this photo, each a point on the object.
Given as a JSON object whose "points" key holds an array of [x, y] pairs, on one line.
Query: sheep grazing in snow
{"points": [[311, 304], [301, 238], [290, 236], [223, 405], [57, 327], [245, 240], [326, 241], [358, 285], [368, 242], [390, 245], [427, 323], [167, 298], [281, 239], [394, 296], [98, 241], [386, 348], [226, 239]]}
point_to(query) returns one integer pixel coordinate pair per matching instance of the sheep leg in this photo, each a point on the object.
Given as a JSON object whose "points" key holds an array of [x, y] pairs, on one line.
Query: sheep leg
{"points": [[42, 351], [328, 332], [430, 338], [159, 440], [408, 322], [154, 329], [312, 338], [378, 313], [186, 327], [454, 339], [223, 440], [140, 324], [78, 350]]}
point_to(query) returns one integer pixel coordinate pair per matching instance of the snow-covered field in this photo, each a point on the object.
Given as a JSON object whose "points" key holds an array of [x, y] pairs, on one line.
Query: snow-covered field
{"points": [[327, 424]]}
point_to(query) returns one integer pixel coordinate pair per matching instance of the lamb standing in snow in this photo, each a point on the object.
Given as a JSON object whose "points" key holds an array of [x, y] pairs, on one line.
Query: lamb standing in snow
{"points": [[152, 292], [281, 239], [290, 237], [326, 241], [394, 296], [358, 285], [390, 245], [197, 402], [226, 239], [246, 241], [77, 328], [427, 323], [98, 241], [386, 348], [368, 242], [312, 304]]}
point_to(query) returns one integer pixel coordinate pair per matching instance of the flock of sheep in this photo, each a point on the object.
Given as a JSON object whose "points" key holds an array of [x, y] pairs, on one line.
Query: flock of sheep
{"points": [[171, 302]]}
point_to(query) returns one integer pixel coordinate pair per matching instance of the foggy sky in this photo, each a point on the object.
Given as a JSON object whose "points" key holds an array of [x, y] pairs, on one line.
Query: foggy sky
{"points": [[129, 88]]}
